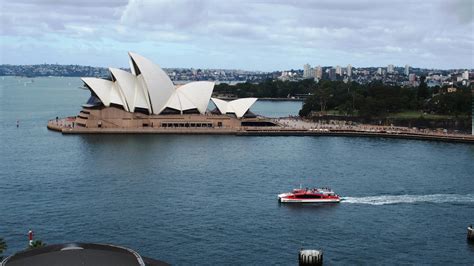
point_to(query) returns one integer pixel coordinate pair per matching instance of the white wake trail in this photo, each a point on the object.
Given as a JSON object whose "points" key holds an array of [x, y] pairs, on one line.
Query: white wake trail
{"points": [[398, 199]]}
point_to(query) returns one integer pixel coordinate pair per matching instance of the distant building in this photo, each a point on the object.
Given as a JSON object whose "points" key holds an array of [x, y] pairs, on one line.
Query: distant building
{"points": [[407, 70], [338, 70], [349, 70], [307, 71], [412, 77], [465, 75], [319, 72], [379, 71], [390, 69]]}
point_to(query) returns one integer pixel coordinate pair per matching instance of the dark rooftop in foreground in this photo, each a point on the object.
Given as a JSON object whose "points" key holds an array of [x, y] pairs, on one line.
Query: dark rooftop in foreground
{"points": [[80, 254]]}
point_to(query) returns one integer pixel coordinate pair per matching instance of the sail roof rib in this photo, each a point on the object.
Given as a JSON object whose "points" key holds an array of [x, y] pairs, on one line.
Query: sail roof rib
{"points": [[157, 84], [127, 84], [141, 95]]}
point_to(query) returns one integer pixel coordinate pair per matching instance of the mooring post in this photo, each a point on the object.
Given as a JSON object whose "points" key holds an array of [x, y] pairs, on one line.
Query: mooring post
{"points": [[470, 233], [310, 257]]}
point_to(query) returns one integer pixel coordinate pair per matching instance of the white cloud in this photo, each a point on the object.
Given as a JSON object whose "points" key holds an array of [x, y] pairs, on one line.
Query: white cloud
{"points": [[433, 33]]}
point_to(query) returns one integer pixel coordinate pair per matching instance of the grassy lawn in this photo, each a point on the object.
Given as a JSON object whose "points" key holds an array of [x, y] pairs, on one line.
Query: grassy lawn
{"points": [[416, 114], [405, 115]]}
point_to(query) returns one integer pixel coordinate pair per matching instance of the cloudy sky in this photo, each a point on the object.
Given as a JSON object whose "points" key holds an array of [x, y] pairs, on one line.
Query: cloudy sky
{"points": [[253, 35]]}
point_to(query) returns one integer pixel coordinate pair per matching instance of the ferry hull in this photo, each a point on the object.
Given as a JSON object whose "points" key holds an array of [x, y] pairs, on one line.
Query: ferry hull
{"points": [[289, 197], [285, 200]]}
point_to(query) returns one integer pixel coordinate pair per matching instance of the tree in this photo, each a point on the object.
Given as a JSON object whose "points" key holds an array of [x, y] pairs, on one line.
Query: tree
{"points": [[3, 247], [423, 91]]}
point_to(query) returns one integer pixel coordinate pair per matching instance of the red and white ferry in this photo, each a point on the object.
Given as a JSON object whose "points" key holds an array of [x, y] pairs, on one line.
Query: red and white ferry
{"points": [[313, 195]]}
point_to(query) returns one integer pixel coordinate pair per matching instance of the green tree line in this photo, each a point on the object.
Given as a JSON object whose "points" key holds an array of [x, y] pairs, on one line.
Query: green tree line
{"points": [[266, 89], [377, 99], [366, 100]]}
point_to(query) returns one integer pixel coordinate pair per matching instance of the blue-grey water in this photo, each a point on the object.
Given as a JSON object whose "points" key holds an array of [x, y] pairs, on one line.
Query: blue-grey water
{"points": [[212, 199]]}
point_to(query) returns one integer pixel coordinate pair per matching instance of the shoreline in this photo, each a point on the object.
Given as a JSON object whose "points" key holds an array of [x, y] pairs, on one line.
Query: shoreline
{"points": [[267, 132]]}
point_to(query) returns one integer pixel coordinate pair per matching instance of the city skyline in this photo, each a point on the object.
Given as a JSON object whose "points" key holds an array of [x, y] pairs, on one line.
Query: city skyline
{"points": [[258, 36]]}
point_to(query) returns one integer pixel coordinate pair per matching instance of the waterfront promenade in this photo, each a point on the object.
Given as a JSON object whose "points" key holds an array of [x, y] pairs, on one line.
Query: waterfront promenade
{"points": [[288, 126]]}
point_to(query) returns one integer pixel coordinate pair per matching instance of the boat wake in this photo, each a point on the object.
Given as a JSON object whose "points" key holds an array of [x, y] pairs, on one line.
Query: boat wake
{"points": [[407, 199]]}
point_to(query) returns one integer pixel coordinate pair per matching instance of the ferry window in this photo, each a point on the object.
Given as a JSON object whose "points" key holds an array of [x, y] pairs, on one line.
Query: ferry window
{"points": [[164, 125], [198, 125], [186, 125], [193, 125], [219, 124]]}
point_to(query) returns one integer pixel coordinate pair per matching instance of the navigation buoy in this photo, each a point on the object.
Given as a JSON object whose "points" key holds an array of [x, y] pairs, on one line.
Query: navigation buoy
{"points": [[30, 237], [310, 257], [470, 233]]}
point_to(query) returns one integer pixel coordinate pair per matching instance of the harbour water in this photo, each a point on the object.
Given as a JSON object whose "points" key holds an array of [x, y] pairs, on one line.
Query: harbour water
{"points": [[212, 199]]}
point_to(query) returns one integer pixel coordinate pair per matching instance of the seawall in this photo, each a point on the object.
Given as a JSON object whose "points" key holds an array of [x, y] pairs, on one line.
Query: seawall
{"points": [[283, 131]]}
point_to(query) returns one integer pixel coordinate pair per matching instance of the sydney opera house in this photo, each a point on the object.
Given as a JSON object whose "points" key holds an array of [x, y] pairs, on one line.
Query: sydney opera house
{"points": [[147, 100]]}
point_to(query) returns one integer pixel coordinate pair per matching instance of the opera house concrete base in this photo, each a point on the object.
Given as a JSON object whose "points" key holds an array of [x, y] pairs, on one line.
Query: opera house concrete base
{"points": [[111, 120], [116, 120]]}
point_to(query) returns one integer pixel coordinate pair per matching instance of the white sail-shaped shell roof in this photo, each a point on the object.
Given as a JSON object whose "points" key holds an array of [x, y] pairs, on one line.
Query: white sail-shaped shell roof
{"points": [[101, 88], [221, 105], [149, 87], [198, 93], [156, 81], [238, 107]]}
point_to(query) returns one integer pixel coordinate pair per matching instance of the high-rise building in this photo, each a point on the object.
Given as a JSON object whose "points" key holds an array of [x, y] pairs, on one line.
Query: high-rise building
{"points": [[319, 72], [338, 70], [407, 70], [349, 70], [465, 75], [379, 71], [307, 71], [411, 77], [390, 69]]}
